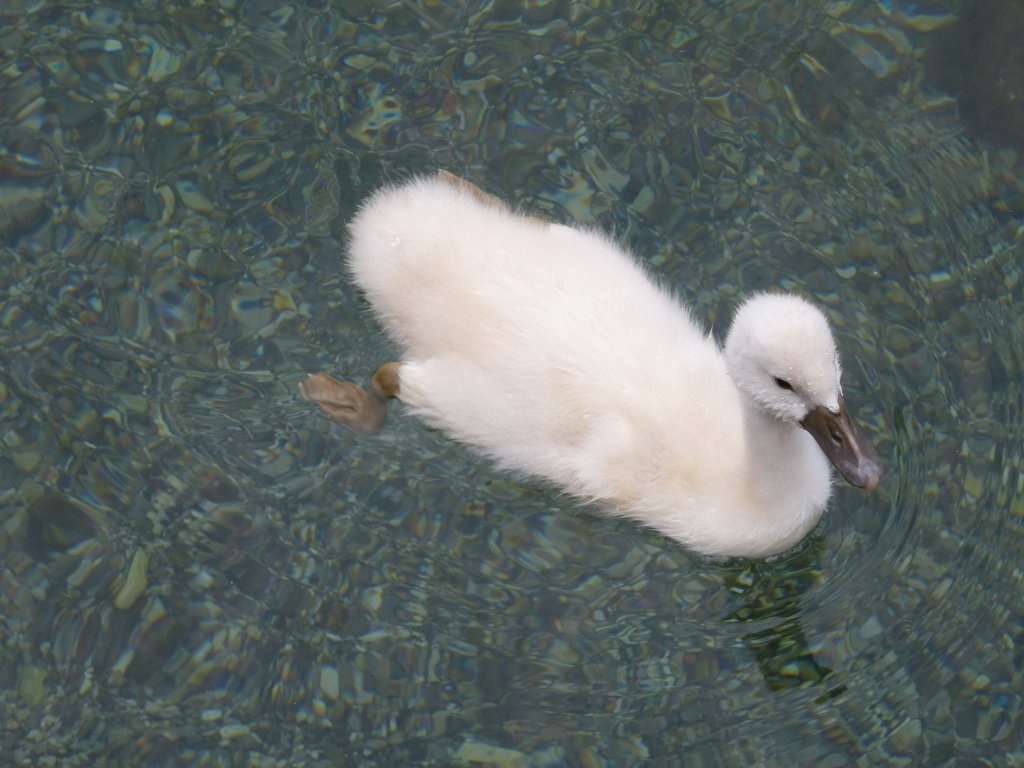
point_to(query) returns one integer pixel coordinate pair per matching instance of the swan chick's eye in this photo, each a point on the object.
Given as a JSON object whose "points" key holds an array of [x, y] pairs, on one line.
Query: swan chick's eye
{"points": [[783, 384]]}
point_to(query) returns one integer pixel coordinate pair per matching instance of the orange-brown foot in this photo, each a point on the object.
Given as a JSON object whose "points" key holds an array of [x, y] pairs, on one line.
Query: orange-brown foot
{"points": [[344, 401], [352, 405]]}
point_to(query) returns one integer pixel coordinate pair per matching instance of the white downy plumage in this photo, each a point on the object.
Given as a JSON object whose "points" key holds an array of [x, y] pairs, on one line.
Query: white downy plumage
{"points": [[551, 350]]}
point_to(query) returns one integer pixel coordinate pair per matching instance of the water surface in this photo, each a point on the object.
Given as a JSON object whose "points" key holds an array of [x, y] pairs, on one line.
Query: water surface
{"points": [[199, 569]]}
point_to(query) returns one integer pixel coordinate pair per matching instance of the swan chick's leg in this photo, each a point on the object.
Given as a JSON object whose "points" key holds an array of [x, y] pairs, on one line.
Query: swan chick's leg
{"points": [[361, 409]]}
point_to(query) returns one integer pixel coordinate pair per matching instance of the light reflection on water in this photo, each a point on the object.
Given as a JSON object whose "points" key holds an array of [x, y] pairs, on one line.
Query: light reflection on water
{"points": [[174, 183]]}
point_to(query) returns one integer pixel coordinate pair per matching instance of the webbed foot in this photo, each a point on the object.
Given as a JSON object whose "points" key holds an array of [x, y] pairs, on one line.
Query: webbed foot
{"points": [[354, 406]]}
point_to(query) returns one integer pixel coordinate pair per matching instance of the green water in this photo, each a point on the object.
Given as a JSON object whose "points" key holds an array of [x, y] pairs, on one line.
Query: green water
{"points": [[198, 569]]}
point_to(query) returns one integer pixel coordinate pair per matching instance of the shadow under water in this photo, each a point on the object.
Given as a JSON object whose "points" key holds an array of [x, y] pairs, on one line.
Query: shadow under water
{"points": [[769, 596]]}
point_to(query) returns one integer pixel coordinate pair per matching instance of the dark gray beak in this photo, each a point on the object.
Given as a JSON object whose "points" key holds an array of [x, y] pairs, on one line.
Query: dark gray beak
{"points": [[852, 455]]}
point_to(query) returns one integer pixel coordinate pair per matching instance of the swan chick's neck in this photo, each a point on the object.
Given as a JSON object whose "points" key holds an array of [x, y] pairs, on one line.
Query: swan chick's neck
{"points": [[789, 476]]}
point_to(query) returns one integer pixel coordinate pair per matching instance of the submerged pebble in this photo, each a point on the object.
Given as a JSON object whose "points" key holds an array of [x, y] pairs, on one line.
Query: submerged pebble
{"points": [[31, 685], [134, 582]]}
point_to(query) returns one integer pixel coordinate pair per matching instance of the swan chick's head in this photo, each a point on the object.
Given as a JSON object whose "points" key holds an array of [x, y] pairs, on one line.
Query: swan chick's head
{"points": [[782, 356]]}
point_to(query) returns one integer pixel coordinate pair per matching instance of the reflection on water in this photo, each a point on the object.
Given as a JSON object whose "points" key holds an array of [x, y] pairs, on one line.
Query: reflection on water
{"points": [[198, 568]]}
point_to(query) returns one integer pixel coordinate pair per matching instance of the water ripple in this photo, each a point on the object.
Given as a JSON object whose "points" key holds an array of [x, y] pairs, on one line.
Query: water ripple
{"points": [[195, 564]]}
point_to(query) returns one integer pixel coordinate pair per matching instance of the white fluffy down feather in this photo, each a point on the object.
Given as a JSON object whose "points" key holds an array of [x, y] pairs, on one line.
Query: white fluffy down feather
{"points": [[551, 350]]}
